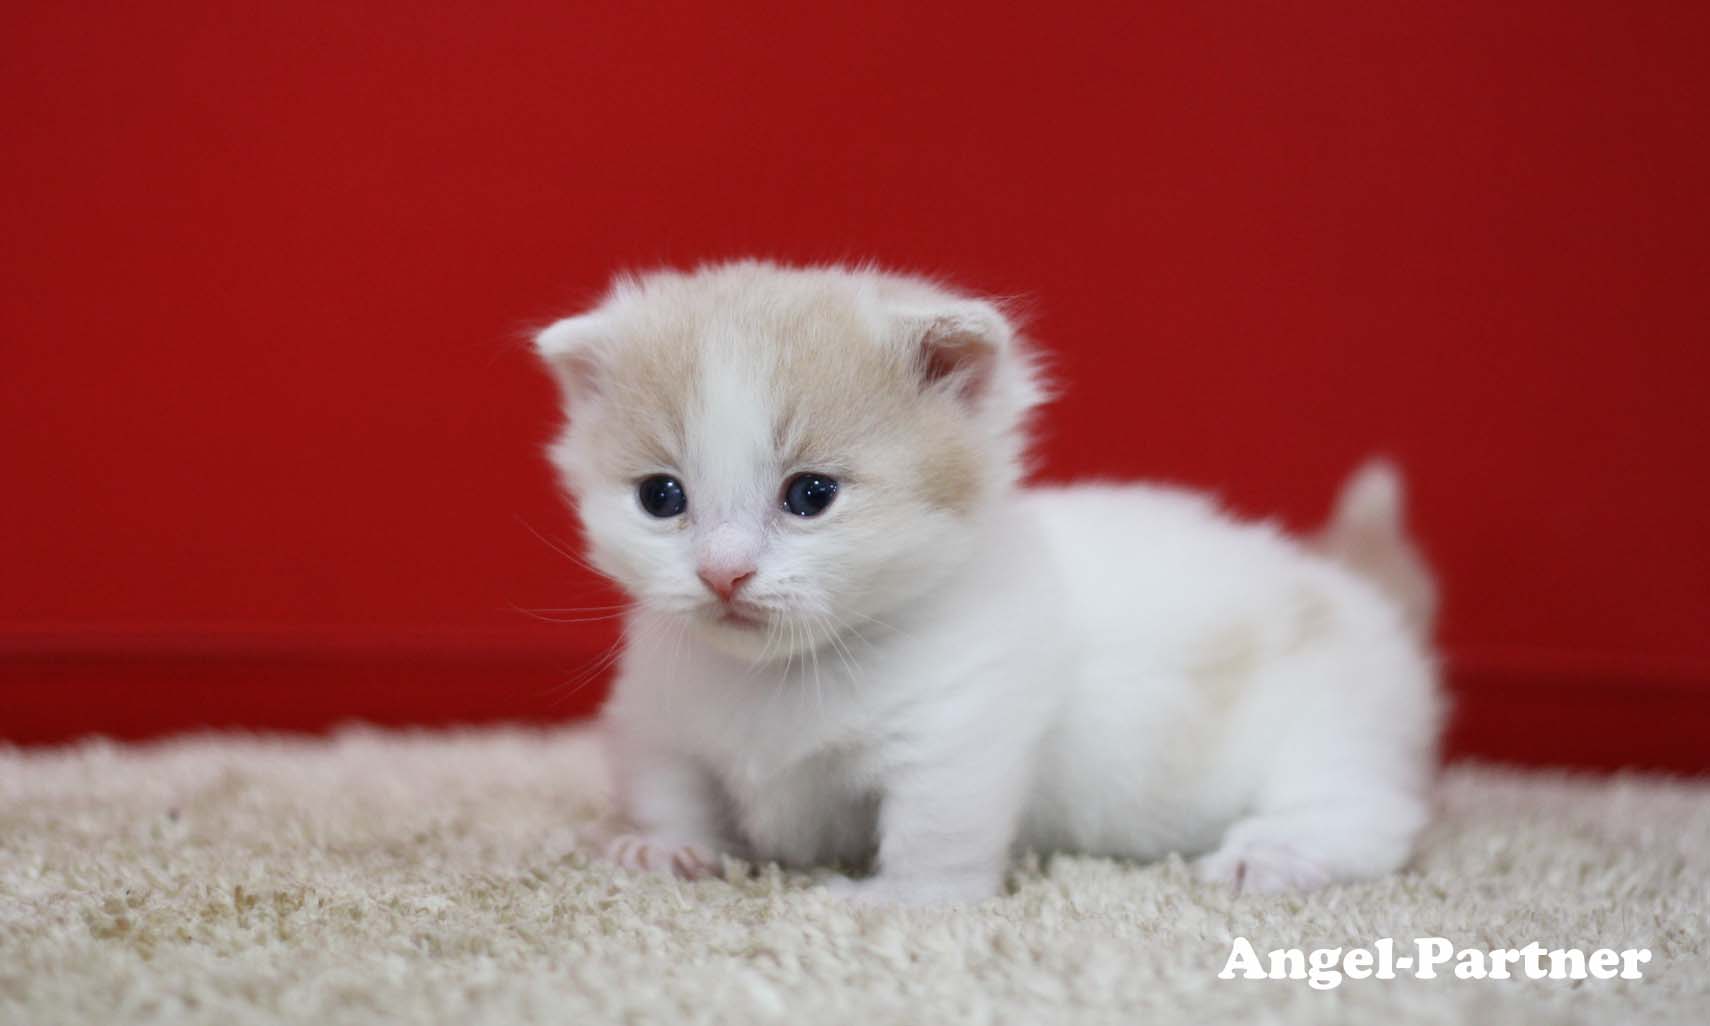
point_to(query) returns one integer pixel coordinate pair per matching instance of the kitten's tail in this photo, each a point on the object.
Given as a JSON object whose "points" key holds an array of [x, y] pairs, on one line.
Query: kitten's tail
{"points": [[1367, 533]]}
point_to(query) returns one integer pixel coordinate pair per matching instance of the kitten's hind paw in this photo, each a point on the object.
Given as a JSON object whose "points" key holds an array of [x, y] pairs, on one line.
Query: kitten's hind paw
{"points": [[686, 860], [1307, 848], [1261, 868]]}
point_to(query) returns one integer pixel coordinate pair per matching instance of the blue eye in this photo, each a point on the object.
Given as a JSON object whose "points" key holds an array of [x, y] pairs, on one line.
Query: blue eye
{"points": [[662, 496], [807, 495]]}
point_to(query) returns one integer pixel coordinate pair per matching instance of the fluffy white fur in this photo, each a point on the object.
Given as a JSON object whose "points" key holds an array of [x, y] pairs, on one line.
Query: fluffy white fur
{"points": [[949, 667]]}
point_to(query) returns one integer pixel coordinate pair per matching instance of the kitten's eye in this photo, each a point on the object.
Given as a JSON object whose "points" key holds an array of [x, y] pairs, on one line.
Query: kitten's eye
{"points": [[807, 495], [662, 496]]}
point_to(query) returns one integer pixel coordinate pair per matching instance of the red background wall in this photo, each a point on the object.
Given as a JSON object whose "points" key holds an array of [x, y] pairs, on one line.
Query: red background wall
{"points": [[269, 441]]}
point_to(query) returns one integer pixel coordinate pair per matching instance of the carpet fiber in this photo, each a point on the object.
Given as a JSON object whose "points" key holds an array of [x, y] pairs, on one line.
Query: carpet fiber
{"points": [[447, 878]]}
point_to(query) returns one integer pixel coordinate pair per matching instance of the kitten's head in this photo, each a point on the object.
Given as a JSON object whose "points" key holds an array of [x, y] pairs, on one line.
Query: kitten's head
{"points": [[778, 454]]}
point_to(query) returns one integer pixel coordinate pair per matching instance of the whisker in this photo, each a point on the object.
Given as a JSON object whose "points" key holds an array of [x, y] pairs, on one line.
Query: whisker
{"points": [[790, 656], [881, 623], [841, 647], [766, 649], [559, 548], [567, 690], [539, 615], [847, 629], [818, 685], [678, 644]]}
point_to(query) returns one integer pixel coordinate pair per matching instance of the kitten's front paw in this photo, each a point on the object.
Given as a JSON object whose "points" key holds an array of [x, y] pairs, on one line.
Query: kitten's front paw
{"points": [[891, 891], [686, 860], [1261, 868]]}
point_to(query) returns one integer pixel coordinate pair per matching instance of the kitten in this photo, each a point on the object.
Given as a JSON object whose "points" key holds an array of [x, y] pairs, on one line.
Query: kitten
{"points": [[856, 639]]}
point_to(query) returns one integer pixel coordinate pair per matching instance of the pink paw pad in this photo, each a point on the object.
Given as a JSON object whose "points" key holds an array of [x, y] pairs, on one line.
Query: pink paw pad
{"points": [[660, 855], [1262, 869]]}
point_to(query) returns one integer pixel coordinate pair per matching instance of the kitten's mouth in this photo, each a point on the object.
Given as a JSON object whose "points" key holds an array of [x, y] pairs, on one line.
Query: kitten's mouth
{"points": [[743, 619]]}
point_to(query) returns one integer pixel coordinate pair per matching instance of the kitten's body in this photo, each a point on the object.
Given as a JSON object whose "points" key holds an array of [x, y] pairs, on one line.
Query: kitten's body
{"points": [[945, 677]]}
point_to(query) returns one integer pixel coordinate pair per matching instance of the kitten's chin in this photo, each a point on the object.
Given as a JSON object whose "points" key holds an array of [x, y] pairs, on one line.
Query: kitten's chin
{"points": [[745, 639]]}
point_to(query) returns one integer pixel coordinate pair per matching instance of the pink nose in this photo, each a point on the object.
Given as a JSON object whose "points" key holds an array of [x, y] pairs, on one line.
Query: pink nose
{"points": [[724, 580]]}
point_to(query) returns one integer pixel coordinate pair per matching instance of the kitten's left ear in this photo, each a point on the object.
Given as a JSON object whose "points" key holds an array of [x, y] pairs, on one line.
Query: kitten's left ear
{"points": [[958, 346], [568, 349]]}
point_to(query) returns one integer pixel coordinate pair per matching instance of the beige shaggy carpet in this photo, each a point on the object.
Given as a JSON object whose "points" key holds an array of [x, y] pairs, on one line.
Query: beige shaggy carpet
{"points": [[447, 878]]}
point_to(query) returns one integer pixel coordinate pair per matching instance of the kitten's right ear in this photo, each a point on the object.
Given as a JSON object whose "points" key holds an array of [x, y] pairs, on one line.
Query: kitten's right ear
{"points": [[958, 345], [568, 348]]}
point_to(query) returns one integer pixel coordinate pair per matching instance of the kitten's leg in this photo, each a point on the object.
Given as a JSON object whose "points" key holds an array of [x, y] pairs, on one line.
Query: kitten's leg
{"points": [[1322, 841], [945, 833], [1341, 741], [675, 809]]}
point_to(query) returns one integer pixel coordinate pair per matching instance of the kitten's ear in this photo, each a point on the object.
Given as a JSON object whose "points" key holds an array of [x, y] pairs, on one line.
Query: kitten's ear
{"points": [[568, 349], [958, 346]]}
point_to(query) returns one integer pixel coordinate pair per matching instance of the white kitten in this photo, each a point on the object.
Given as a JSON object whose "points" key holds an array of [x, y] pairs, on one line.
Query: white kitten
{"points": [[856, 637]]}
